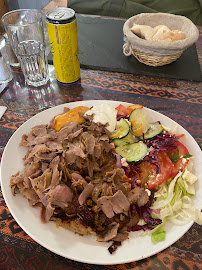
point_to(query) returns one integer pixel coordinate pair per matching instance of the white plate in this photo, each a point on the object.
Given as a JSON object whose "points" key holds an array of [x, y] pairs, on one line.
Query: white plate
{"points": [[86, 248]]}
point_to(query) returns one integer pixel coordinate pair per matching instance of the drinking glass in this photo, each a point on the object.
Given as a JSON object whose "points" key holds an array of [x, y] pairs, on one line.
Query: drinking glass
{"points": [[25, 31]]}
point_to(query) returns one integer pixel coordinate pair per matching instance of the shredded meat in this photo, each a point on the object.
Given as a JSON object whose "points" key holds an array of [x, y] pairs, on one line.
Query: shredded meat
{"points": [[72, 175], [138, 195], [118, 203]]}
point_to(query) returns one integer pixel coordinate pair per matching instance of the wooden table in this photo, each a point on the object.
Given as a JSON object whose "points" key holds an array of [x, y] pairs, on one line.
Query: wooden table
{"points": [[177, 99]]}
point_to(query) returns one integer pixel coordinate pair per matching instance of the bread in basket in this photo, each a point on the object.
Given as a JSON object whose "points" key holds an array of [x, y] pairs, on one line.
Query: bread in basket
{"points": [[154, 53]]}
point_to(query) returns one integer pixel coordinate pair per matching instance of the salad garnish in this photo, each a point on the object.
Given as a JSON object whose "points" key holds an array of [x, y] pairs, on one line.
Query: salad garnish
{"points": [[163, 170]]}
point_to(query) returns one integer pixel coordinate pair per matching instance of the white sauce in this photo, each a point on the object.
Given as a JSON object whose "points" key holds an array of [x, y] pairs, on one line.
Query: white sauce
{"points": [[104, 114]]}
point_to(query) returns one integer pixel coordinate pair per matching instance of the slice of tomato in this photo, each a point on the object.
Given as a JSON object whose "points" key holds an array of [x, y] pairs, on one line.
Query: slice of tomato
{"points": [[166, 167], [147, 171], [123, 110], [181, 163]]}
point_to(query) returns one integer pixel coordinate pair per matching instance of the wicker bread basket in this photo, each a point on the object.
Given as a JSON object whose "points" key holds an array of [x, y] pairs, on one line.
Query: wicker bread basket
{"points": [[154, 53]]}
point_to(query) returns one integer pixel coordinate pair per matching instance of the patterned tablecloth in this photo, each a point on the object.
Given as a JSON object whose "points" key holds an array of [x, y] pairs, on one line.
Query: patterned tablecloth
{"points": [[179, 100]]}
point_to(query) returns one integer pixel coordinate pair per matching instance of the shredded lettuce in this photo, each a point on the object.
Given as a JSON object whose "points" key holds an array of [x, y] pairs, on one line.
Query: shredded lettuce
{"points": [[173, 200], [158, 236], [157, 233], [189, 180], [169, 193]]}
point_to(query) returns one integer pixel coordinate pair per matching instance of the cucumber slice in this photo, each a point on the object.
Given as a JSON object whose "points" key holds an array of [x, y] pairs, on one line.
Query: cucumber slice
{"points": [[132, 152], [122, 129], [130, 138], [155, 129], [139, 123], [119, 142]]}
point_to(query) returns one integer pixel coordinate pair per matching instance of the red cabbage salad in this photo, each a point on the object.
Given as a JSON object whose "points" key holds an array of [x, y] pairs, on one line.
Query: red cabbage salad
{"points": [[154, 158]]}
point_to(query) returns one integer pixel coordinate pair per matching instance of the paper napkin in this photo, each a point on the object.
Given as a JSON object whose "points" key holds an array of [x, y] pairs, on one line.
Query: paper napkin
{"points": [[2, 110]]}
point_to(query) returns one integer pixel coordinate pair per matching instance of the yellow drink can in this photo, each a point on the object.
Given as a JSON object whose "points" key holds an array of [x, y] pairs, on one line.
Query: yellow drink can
{"points": [[62, 32]]}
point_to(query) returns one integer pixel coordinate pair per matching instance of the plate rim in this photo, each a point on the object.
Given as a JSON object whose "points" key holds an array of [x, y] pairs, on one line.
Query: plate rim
{"points": [[112, 262]]}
